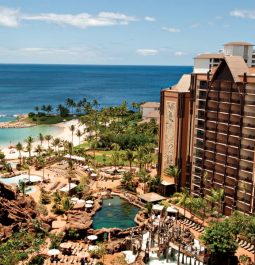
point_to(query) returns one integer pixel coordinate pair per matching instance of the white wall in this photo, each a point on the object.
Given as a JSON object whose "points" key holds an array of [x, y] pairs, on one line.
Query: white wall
{"points": [[201, 65]]}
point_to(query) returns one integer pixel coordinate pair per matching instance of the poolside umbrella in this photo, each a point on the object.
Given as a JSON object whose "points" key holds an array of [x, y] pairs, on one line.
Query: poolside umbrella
{"points": [[93, 175], [53, 252], [65, 245], [82, 254], [88, 205], [74, 199], [81, 201], [92, 237], [89, 202]]}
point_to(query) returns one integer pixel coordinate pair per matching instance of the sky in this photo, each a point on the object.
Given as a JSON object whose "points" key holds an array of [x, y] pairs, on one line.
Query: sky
{"points": [[125, 32]]}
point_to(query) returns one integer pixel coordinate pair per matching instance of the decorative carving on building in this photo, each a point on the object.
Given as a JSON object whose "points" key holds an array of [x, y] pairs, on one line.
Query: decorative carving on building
{"points": [[169, 141]]}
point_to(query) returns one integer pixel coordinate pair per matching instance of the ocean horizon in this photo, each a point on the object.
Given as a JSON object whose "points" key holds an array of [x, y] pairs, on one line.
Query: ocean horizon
{"points": [[24, 86]]}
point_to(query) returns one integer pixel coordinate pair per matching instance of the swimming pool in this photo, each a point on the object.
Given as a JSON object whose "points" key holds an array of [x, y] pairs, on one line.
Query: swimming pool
{"points": [[24, 177], [115, 212]]}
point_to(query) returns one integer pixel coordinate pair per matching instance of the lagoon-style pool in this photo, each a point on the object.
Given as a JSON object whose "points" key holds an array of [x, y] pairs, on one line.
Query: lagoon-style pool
{"points": [[115, 212]]}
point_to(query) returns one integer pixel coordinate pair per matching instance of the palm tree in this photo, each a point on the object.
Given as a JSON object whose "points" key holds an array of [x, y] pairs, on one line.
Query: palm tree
{"points": [[130, 157], [115, 159], [29, 142], [19, 148], [173, 171], [37, 109], [42, 163], [49, 109], [70, 103], [72, 129], [38, 149], [22, 186], [48, 138], [79, 134], [56, 143], [216, 197], [41, 138]]}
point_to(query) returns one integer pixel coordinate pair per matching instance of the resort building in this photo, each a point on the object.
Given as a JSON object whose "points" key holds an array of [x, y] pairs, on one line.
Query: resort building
{"points": [[210, 133], [149, 107], [224, 134], [175, 129]]}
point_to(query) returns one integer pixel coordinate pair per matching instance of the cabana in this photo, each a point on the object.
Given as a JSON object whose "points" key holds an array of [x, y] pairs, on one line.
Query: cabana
{"points": [[75, 158], [157, 207], [68, 187], [166, 188], [151, 197], [172, 211]]}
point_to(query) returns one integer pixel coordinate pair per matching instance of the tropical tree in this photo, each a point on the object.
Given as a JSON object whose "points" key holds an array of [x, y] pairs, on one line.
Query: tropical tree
{"points": [[55, 143], [173, 171], [216, 197], [42, 164], [221, 242], [36, 108], [48, 109], [144, 177], [41, 138], [79, 135], [38, 149], [130, 157], [29, 141], [72, 129], [115, 159], [70, 103], [19, 148], [22, 186], [48, 138]]}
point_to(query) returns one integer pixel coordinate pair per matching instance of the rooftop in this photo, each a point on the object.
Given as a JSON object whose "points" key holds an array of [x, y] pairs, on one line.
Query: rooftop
{"points": [[184, 84], [151, 197], [151, 105], [210, 56], [238, 43]]}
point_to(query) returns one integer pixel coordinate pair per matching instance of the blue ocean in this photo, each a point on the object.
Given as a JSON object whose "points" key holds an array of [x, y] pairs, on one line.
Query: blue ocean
{"points": [[22, 87]]}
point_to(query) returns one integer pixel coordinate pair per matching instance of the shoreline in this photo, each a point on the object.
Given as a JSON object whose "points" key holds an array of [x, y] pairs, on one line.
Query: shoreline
{"points": [[65, 134], [21, 122]]}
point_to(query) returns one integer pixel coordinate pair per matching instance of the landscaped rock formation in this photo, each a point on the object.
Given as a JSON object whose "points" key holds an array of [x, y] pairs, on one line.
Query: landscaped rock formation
{"points": [[16, 211], [78, 220]]}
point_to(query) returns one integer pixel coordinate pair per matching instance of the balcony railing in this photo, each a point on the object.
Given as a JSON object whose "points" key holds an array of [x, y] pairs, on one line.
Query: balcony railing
{"points": [[249, 147], [247, 158], [248, 169], [249, 136]]}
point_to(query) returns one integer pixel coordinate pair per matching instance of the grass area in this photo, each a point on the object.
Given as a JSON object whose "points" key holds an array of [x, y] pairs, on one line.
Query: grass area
{"points": [[49, 119], [84, 145]]}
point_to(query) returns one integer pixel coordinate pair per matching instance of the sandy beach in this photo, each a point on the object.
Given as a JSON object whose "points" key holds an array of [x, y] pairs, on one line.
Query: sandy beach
{"points": [[65, 134]]}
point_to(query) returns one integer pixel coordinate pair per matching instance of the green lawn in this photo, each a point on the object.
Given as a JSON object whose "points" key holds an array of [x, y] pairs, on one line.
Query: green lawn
{"points": [[50, 119]]}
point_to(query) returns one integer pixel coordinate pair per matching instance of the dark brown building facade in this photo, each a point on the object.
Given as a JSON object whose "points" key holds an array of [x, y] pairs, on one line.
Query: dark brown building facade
{"points": [[217, 135]]}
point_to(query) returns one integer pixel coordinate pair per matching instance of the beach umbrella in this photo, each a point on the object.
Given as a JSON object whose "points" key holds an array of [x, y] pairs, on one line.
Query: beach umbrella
{"points": [[89, 201], [74, 199], [65, 245], [88, 205], [82, 254], [93, 175], [92, 237], [81, 201], [53, 252]]}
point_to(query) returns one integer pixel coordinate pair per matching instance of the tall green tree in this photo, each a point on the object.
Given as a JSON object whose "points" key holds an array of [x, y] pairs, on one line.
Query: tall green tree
{"points": [[19, 148], [173, 171], [48, 138], [129, 156], [72, 129]]}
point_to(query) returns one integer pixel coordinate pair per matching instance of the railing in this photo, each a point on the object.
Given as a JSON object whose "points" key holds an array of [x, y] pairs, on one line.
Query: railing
{"points": [[245, 124], [248, 169], [246, 158], [249, 102], [250, 114], [249, 147], [249, 136]]}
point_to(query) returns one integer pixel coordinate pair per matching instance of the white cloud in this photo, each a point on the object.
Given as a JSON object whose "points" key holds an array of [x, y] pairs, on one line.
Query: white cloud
{"points": [[147, 52], [150, 19], [243, 13], [9, 17], [179, 53], [83, 20], [13, 17], [172, 30]]}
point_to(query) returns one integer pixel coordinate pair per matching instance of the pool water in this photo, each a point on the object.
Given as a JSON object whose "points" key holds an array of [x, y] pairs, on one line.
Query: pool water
{"points": [[115, 212], [16, 179]]}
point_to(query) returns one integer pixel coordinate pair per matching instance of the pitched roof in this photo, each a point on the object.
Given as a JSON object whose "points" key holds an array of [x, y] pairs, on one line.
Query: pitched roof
{"points": [[210, 56], [183, 84], [150, 105], [238, 43], [237, 66], [151, 197]]}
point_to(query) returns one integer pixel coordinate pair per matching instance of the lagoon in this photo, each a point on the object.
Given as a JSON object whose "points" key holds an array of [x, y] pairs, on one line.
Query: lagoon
{"points": [[115, 212], [14, 135]]}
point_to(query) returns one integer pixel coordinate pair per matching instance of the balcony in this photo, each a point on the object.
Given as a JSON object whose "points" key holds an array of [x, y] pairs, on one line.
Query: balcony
{"points": [[246, 168], [249, 136], [248, 147], [249, 125], [249, 114], [247, 158]]}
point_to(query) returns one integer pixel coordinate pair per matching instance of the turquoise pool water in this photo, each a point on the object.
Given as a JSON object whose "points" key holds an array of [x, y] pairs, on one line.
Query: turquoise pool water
{"points": [[115, 212], [16, 179], [14, 135]]}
